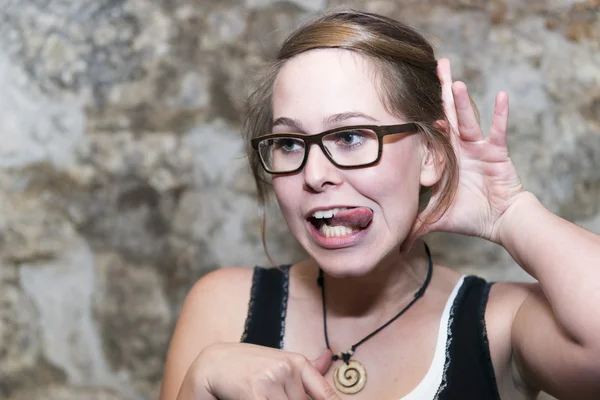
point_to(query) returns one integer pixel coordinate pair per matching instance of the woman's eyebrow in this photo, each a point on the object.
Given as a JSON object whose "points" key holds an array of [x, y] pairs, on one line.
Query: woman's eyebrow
{"points": [[285, 121], [332, 119], [335, 118]]}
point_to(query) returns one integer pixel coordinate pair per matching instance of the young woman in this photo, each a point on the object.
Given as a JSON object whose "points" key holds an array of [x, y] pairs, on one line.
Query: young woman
{"points": [[367, 145]]}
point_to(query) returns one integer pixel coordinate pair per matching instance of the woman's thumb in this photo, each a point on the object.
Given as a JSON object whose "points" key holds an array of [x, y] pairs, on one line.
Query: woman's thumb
{"points": [[323, 363]]}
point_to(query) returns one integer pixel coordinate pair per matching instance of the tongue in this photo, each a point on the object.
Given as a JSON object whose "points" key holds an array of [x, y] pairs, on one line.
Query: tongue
{"points": [[357, 217]]}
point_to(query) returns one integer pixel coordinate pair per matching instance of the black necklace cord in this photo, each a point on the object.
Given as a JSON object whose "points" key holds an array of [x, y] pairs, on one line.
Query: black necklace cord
{"points": [[418, 294]]}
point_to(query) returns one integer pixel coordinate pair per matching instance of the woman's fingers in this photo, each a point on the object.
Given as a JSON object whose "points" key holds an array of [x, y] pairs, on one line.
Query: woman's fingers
{"points": [[323, 363], [445, 75], [260, 373], [468, 125], [499, 127], [294, 388], [276, 392], [316, 386]]}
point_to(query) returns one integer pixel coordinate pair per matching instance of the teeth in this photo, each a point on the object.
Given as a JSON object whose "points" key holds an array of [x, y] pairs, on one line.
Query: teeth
{"points": [[326, 213], [337, 231]]}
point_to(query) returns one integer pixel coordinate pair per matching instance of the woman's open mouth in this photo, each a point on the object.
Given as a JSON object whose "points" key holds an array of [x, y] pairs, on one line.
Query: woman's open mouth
{"points": [[339, 223]]}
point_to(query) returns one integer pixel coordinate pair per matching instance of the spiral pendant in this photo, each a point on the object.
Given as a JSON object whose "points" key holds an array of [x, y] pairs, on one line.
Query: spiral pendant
{"points": [[350, 378]]}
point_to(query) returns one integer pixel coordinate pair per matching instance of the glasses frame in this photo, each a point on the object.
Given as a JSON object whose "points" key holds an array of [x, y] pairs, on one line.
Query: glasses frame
{"points": [[309, 140]]}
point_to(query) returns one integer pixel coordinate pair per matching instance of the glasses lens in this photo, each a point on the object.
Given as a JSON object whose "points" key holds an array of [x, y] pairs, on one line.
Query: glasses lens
{"points": [[282, 154], [352, 147]]}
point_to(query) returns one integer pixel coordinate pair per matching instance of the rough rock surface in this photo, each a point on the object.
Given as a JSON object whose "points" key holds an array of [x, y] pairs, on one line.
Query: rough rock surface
{"points": [[123, 175]]}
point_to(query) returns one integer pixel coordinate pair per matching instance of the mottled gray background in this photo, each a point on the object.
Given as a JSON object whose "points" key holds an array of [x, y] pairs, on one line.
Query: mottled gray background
{"points": [[123, 181]]}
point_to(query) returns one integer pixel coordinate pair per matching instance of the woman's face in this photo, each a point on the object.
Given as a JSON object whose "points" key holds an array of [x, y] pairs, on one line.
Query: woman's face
{"points": [[330, 88]]}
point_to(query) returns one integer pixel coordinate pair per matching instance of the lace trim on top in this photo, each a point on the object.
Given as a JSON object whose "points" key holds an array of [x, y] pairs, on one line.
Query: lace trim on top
{"points": [[284, 301], [255, 278], [449, 339], [485, 344]]}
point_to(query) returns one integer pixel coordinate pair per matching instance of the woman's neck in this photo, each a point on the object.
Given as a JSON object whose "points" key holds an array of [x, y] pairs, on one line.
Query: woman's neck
{"points": [[381, 291]]}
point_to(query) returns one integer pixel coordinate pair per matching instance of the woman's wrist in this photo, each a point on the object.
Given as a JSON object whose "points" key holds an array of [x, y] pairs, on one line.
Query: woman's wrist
{"points": [[516, 220], [195, 384]]}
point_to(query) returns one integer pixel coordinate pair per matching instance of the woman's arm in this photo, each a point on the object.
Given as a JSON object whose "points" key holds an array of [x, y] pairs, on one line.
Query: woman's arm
{"points": [[556, 332], [214, 311]]}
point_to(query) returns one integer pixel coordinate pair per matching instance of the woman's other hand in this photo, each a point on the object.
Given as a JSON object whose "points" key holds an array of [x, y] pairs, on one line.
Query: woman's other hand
{"points": [[247, 372], [489, 183]]}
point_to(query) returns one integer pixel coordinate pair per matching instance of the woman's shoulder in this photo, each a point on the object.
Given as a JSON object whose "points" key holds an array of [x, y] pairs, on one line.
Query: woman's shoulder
{"points": [[214, 311], [219, 300], [221, 280], [505, 299], [502, 302]]}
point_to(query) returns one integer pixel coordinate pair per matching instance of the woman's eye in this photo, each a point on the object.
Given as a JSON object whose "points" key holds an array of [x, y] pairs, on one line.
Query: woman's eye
{"points": [[350, 137], [287, 144]]}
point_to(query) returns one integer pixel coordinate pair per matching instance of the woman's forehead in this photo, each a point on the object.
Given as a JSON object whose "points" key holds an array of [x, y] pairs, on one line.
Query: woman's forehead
{"points": [[325, 82], [325, 67]]}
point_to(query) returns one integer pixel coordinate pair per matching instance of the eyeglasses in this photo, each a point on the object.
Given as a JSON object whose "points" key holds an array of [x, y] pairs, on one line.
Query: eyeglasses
{"points": [[348, 147]]}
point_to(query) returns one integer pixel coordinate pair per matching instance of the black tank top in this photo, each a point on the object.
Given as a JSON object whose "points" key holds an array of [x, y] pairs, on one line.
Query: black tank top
{"points": [[468, 373]]}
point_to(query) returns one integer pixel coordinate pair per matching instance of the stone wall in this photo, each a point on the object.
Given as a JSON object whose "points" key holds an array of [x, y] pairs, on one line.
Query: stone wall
{"points": [[123, 179]]}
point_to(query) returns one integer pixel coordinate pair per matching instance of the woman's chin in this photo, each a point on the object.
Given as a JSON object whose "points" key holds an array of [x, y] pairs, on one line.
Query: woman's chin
{"points": [[344, 268]]}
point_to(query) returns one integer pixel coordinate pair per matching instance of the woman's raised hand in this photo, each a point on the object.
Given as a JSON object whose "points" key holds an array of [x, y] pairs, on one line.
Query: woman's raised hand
{"points": [[489, 184], [243, 371]]}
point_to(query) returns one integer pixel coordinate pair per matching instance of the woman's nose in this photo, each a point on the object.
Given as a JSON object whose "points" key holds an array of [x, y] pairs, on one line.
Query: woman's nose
{"points": [[319, 172]]}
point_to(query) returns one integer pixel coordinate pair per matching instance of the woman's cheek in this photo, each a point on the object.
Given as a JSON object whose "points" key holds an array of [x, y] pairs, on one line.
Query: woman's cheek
{"points": [[286, 199]]}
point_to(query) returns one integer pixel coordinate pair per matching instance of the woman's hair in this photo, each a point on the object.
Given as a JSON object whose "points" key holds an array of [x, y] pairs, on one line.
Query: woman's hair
{"points": [[406, 72]]}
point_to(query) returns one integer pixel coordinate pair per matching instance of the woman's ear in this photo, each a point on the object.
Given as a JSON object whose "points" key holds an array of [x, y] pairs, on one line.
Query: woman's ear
{"points": [[433, 161]]}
